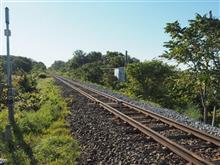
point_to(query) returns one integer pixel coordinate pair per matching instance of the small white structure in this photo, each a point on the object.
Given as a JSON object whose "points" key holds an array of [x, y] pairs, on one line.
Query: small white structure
{"points": [[120, 73]]}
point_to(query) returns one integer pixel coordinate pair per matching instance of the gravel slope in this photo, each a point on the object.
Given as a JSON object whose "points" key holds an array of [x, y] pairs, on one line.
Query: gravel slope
{"points": [[105, 139], [162, 111]]}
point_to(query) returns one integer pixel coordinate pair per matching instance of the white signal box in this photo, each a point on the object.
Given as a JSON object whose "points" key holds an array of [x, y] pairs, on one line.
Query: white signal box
{"points": [[120, 73]]}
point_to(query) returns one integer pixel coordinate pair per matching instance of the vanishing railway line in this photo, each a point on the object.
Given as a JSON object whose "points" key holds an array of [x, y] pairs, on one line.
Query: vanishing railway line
{"points": [[191, 144]]}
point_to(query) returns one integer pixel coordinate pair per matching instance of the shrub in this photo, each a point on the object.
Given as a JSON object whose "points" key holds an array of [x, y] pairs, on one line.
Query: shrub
{"points": [[42, 75], [35, 122], [41, 128], [193, 112], [57, 149]]}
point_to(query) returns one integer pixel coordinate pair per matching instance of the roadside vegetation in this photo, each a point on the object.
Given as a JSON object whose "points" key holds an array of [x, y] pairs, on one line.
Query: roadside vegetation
{"points": [[40, 134], [190, 86]]}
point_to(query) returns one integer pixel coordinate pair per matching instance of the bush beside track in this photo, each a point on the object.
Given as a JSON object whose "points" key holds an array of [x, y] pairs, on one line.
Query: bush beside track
{"points": [[40, 135]]}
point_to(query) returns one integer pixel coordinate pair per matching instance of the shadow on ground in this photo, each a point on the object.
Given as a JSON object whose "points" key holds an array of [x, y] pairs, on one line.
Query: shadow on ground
{"points": [[14, 140]]}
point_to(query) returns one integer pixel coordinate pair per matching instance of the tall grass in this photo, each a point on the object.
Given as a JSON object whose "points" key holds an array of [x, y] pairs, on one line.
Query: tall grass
{"points": [[44, 131]]}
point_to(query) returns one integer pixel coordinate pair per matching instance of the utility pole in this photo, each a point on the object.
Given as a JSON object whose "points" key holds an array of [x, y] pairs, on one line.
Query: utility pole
{"points": [[9, 77], [126, 58]]}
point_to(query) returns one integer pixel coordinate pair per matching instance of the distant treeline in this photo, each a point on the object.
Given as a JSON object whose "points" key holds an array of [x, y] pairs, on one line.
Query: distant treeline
{"points": [[94, 66], [146, 80], [20, 65]]}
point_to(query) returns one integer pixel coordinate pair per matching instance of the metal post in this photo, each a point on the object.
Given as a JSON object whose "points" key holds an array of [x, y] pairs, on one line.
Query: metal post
{"points": [[126, 58], [9, 77], [126, 63], [214, 116]]}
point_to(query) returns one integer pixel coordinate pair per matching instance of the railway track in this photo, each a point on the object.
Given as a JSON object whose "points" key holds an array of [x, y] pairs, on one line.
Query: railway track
{"points": [[193, 145]]}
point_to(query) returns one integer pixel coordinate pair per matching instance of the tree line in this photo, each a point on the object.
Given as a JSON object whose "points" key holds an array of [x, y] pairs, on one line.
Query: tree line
{"points": [[24, 74], [191, 85], [21, 65]]}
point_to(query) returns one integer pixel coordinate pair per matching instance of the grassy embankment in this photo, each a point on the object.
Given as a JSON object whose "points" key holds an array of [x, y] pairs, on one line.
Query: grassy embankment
{"points": [[39, 136]]}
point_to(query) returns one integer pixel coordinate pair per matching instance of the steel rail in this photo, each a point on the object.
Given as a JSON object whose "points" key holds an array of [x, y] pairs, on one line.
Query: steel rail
{"points": [[200, 134], [176, 148]]}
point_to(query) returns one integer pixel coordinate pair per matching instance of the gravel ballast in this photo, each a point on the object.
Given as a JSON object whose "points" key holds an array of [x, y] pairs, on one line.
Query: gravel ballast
{"points": [[105, 139], [162, 111]]}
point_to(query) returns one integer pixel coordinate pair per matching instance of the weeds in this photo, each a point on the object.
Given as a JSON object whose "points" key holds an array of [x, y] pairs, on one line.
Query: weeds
{"points": [[40, 134]]}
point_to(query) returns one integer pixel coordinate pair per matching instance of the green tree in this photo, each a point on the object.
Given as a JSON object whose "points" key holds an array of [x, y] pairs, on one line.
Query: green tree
{"points": [[117, 59], [79, 59], [91, 72], [22, 64], [114, 59], [181, 89], [197, 46], [147, 80], [108, 79], [38, 67], [58, 66], [93, 57]]}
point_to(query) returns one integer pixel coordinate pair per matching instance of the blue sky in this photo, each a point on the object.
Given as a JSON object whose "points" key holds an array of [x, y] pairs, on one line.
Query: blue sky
{"points": [[48, 31]]}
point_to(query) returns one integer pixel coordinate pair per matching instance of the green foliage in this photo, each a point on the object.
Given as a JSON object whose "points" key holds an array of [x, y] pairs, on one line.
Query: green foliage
{"points": [[26, 83], [181, 89], [20, 156], [22, 65], [38, 67], [56, 149], [93, 57], [42, 75], [58, 127], [109, 80], [195, 47], [147, 80], [42, 129], [198, 47], [1, 70], [114, 59], [3, 118], [28, 101], [94, 67], [35, 122], [91, 72], [193, 112], [79, 59], [58, 66]]}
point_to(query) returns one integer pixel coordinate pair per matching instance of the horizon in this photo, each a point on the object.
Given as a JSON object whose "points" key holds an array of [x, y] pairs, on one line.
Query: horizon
{"points": [[53, 30]]}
